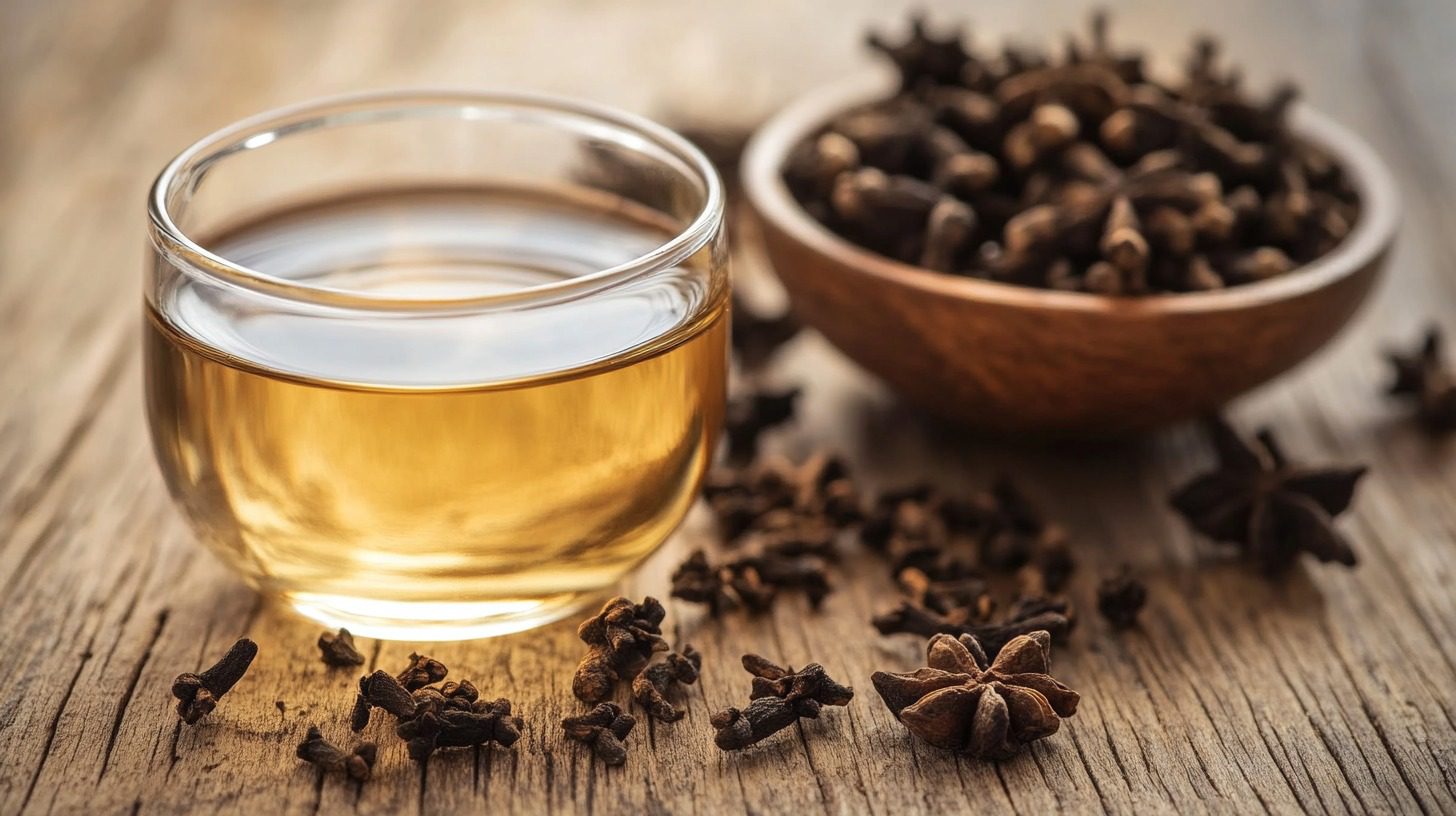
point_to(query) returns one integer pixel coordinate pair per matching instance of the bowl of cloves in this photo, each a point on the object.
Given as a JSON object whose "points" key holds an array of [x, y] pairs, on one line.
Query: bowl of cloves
{"points": [[1067, 244]]}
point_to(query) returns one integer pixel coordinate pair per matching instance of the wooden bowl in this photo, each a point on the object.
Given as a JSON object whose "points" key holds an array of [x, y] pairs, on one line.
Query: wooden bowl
{"points": [[1009, 358]]}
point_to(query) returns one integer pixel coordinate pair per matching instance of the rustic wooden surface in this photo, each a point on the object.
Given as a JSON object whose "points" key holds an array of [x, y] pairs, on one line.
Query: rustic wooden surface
{"points": [[1334, 691]]}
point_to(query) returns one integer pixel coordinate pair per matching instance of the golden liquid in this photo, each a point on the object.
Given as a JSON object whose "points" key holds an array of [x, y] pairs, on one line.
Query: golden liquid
{"points": [[473, 508]]}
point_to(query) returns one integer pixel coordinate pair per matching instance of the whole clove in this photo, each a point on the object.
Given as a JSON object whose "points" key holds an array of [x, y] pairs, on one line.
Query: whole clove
{"points": [[198, 694], [338, 649], [1270, 508], [460, 726], [757, 338], [1423, 377], [748, 415], [651, 687], [1120, 598], [620, 640], [988, 709], [384, 691], [750, 582], [1030, 615], [1078, 172], [780, 697], [421, 672], [734, 585], [605, 729], [357, 763]]}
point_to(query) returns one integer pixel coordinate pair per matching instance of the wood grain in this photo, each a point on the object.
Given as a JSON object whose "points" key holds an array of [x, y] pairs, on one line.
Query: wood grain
{"points": [[1334, 691]]}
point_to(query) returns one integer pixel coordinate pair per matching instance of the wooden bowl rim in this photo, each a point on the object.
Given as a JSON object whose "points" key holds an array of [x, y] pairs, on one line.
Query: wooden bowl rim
{"points": [[770, 145]]}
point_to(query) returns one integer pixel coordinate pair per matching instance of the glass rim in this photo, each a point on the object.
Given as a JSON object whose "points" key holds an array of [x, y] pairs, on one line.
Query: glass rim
{"points": [[262, 129]]}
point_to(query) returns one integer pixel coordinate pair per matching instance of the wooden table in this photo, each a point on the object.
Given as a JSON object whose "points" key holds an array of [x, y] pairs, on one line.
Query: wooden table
{"points": [[1334, 690]]}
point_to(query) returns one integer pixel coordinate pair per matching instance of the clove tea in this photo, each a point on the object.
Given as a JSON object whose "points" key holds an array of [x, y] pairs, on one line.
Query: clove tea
{"points": [[486, 467]]}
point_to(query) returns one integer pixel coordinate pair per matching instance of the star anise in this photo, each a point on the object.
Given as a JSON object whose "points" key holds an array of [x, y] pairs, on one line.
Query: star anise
{"points": [[1423, 376], [1271, 508], [923, 58], [961, 703], [1120, 598]]}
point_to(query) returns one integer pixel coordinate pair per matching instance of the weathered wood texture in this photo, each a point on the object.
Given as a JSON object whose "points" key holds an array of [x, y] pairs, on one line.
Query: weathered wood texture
{"points": [[1332, 692]]}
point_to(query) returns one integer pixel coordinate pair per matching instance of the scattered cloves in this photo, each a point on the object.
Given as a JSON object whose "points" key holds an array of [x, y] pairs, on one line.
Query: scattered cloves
{"points": [[1120, 598], [650, 688], [198, 694], [421, 672], [756, 338], [358, 763], [620, 640], [748, 415], [338, 649], [460, 726], [780, 697], [605, 729], [383, 691]]}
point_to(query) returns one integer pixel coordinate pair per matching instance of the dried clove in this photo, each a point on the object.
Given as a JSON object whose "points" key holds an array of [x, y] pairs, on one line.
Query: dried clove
{"points": [[1273, 510], [750, 582], [1423, 377], [650, 688], [198, 694], [605, 729], [421, 672], [780, 697], [1081, 173], [384, 691], [1120, 598], [620, 640], [757, 338], [338, 649], [988, 709], [729, 586], [358, 763], [1025, 617], [748, 415], [460, 727]]}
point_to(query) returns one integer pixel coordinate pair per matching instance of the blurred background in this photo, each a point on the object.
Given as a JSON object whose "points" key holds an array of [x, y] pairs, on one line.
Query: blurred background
{"points": [[110, 89]]}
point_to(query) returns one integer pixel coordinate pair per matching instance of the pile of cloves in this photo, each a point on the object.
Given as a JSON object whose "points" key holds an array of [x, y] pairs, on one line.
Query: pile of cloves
{"points": [[433, 717], [783, 520], [1077, 171], [755, 406], [947, 555], [622, 639]]}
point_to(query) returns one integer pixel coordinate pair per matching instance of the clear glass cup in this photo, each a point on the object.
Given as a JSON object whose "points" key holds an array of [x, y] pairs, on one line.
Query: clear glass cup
{"points": [[436, 365]]}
